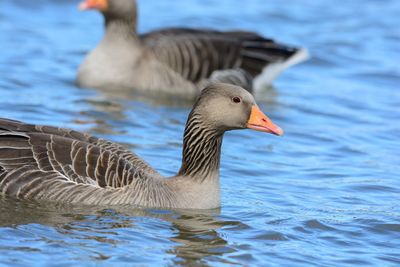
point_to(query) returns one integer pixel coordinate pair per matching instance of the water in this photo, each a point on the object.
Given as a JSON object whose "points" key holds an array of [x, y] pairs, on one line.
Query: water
{"points": [[326, 194]]}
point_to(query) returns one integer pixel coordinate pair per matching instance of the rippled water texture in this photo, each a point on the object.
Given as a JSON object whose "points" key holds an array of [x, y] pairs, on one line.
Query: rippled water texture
{"points": [[326, 194]]}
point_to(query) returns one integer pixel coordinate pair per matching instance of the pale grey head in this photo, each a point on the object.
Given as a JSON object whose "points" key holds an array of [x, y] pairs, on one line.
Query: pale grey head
{"points": [[117, 9], [227, 107]]}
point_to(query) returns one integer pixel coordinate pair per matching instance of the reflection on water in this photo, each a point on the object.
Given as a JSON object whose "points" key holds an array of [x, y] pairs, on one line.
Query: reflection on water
{"points": [[193, 235], [325, 194]]}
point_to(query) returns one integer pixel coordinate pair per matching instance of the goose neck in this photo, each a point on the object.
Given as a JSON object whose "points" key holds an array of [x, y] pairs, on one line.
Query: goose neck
{"points": [[201, 150], [117, 28]]}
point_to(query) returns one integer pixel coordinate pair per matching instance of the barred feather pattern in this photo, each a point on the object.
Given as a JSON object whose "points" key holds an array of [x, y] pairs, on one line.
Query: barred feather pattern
{"points": [[197, 54], [41, 162], [56, 164], [201, 149], [192, 55], [180, 61]]}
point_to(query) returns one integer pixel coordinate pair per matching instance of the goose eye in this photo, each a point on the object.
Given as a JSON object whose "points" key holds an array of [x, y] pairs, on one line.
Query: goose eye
{"points": [[236, 99]]}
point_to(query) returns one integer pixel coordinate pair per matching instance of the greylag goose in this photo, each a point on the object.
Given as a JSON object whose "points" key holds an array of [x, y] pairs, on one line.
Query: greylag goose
{"points": [[60, 165], [178, 61]]}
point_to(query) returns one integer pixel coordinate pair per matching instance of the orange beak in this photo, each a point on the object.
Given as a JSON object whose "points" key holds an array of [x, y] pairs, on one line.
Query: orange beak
{"points": [[101, 5], [260, 122]]}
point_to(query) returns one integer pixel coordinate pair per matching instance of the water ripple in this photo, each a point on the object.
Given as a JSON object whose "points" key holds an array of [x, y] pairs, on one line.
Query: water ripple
{"points": [[326, 194]]}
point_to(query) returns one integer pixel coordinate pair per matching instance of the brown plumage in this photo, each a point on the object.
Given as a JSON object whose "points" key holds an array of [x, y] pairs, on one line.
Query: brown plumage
{"points": [[56, 164], [179, 61]]}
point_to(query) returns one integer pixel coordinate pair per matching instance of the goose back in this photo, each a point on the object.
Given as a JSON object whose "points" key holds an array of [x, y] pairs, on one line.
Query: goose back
{"points": [[56, 164], [179, 61], [66, 156], [197, 54]]}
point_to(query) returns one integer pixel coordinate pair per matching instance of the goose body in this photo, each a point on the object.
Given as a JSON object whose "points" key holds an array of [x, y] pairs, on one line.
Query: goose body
{"points": [[61, 165], [178, 61]]}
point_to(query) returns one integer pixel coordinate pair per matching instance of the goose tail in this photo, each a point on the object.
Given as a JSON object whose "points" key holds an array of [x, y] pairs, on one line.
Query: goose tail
{"points": [[273, 69]]}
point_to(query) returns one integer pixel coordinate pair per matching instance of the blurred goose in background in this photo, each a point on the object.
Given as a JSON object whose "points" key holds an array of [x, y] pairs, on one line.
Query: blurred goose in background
{"points": [[178, 61], [60, 165]]}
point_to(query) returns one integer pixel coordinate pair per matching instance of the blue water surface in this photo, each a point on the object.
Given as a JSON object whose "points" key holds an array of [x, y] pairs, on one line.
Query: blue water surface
{"points": [[325, 194]]}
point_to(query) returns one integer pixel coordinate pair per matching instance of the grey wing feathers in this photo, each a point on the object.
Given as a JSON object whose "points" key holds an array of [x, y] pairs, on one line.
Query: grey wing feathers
{"points": [[196, 54], [30, 183], [67, 155]]}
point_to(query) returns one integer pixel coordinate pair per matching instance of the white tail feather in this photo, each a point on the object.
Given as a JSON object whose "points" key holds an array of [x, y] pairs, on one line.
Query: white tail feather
{"points": [[271, 71]]}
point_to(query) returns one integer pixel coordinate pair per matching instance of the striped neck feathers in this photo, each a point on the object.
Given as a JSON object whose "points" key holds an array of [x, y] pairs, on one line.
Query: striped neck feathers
{"points": [[201, 149], [121, 27]]}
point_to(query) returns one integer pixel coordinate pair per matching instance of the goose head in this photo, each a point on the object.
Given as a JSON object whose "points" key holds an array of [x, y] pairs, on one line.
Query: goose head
{"points": [[122, 9], [224, 107]]}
